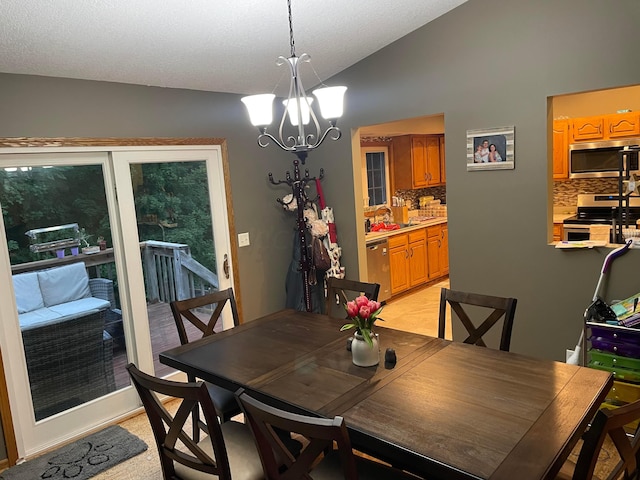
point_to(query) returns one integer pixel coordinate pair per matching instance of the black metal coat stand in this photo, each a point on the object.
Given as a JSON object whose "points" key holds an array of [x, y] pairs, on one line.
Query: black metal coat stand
{"points": [[298, 185]]}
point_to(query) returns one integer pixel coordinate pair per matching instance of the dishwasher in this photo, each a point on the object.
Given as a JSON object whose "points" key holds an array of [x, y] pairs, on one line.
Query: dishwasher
{"points": [[378, 267]]}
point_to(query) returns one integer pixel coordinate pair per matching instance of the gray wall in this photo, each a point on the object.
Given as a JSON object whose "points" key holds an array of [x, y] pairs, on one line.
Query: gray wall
{"points": [[488, 63]]}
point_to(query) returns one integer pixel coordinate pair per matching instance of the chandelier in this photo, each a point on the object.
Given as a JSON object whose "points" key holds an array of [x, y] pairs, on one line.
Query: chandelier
{"points": [[298, 109]]}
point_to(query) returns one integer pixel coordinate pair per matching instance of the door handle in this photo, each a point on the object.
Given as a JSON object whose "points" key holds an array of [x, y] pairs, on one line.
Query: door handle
{"points": [[406, 254], [225, 266]]}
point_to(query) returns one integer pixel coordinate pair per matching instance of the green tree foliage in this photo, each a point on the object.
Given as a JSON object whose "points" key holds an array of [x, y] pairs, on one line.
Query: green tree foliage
{"points": [[171, 200], [41, 197], [174, 199]]}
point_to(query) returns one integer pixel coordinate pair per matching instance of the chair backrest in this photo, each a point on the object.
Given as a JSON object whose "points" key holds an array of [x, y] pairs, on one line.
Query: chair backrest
{"points": [[341, 290], [186, 311], [498, 306], [278, 463], [611, 423], [173, 442]]}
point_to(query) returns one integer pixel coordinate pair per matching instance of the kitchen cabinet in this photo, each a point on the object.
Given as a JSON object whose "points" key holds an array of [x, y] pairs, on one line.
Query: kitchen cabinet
{"points": [[558, 231], [416, 161], [560, 150], [437, 251], [621, 125], [417, 257], [587, 129], [443, 174], [603, 127], [399, 263], [408, 260]]}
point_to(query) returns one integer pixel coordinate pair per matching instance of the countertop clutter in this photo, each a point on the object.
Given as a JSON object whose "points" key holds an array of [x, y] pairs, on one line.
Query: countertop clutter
{"points": [[422, 223]]}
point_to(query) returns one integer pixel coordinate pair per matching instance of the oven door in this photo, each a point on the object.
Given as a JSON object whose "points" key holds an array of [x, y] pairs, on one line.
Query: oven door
{"points": [[575, 232]]}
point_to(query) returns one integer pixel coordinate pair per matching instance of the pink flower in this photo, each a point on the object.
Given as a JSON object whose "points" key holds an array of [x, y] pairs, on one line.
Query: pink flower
{"points": [[361, 301], [364, 312], [373, 305], [352, 309]]}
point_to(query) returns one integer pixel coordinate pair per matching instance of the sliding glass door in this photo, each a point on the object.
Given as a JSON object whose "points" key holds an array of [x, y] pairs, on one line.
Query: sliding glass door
{"points": [[95, 244]]}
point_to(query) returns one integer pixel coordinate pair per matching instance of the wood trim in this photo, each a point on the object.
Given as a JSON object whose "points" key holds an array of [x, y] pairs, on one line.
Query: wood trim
{"points": [[26, 142], [7, 421], [106, 142]]}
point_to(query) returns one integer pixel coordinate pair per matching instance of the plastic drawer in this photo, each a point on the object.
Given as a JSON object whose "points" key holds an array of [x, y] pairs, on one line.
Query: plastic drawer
{"points": [[608, 359], [619, 373], [622, 393]]}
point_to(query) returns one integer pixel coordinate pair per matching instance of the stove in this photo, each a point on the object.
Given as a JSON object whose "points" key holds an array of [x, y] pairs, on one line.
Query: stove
{"points": [[600, 209]]}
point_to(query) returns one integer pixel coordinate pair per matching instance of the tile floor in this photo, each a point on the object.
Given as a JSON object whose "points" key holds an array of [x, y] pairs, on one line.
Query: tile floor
{"points": [[417, 311]]}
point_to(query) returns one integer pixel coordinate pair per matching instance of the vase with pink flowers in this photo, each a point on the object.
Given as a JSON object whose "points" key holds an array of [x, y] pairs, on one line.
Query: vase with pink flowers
{"points": [[363, 313]]}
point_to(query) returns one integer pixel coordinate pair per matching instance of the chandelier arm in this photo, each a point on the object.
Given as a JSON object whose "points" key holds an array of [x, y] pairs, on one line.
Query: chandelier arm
{"points": [[264, 143], [335, 135]]}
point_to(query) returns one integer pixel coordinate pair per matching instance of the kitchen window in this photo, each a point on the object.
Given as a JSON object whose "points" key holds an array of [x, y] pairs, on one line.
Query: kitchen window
{"points": [[375, 172]]}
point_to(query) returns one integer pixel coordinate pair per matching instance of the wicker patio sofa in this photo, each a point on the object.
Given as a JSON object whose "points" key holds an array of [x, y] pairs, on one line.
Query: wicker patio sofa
{"points": [[68, 352]]}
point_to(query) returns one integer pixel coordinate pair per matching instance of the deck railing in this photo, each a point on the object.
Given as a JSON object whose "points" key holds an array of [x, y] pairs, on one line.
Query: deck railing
{"points": [[170, 272]]}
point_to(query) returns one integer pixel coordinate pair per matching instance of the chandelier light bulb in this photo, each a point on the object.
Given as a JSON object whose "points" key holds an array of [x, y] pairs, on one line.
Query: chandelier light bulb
{"points": [[304, 112], [331, 101], [260, 108]]}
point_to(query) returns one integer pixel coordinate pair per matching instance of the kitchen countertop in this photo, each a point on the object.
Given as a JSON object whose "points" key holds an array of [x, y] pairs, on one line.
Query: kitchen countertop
{"points": [[372, 236]]}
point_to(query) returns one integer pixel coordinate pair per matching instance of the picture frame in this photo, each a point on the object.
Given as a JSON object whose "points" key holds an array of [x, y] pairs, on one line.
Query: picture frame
{"points": [[490, 149]]}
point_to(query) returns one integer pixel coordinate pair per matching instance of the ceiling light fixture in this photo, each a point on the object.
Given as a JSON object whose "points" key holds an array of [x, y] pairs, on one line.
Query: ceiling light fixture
{"points": [[298, 109]]}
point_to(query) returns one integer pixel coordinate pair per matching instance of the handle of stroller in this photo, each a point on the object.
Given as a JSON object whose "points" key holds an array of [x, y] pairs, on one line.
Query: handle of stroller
{"points": [[607, 263]]}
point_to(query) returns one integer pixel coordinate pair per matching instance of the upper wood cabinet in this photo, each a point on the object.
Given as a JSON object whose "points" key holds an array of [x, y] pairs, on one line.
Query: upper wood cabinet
{"points": [[622, 124], [604, 127], [443, 171], [416, 161], [587, 129], [560, 150]]}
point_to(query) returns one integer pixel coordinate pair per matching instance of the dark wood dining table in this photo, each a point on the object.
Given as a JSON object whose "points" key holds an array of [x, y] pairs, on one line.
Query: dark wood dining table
{"points": [[444, 410]]}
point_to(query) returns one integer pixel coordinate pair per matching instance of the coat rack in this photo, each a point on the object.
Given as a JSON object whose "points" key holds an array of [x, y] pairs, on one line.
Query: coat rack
{"points": [[298, 185]]}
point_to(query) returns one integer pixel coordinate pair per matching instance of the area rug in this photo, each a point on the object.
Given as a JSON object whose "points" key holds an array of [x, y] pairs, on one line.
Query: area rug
{"points": [[81, 459]]}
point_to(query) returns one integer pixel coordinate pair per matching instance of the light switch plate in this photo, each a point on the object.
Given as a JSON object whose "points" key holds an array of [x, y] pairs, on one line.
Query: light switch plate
{"points": [[243, 239]]}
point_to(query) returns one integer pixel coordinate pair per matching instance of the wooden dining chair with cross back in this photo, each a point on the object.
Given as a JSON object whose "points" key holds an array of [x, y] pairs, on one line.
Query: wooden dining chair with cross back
{"points": [[341, 290], [497, 307], [228, 452], [192, 324], [319, 459], [611, 424]]}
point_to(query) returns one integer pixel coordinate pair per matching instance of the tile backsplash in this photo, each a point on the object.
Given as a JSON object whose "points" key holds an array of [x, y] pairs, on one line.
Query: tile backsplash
{"points": [[439, 193], [565, 193]]}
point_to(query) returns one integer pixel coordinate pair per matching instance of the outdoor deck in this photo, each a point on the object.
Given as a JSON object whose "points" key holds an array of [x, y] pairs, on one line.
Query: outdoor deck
{"points": [[164, 335]]}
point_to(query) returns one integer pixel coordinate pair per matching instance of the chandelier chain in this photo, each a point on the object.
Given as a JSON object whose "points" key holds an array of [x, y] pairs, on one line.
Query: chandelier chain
{"points": [[291, 42]]}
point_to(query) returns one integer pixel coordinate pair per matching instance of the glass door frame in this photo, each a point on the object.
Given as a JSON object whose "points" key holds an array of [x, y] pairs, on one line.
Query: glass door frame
{"points": [[121, 403]]}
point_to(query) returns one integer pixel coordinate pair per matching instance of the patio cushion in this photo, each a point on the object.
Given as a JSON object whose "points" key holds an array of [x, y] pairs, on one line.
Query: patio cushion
{"points": [[81, 306], [64, 284], [27, 290], [37, 318]]}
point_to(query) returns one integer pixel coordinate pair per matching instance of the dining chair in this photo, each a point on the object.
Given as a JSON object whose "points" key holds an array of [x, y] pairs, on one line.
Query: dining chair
{"points": [[318, 459], [498, 308], [188, 313], [228, 450], [341, 290], [609, 423]]}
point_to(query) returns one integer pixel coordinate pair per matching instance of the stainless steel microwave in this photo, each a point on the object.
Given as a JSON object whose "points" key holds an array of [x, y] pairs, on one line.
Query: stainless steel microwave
{"points": [[602, 159]]}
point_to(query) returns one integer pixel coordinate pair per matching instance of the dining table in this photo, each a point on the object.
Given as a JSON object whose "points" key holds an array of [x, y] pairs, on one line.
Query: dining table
{"points": [[441, 409]]}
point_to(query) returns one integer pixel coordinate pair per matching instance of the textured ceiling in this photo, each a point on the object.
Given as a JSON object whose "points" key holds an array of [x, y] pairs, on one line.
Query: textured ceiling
{"points": [[222, 46]]}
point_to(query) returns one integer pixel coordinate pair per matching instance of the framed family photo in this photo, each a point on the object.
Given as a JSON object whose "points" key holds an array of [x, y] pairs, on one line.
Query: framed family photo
{"points": [[490, 149]]}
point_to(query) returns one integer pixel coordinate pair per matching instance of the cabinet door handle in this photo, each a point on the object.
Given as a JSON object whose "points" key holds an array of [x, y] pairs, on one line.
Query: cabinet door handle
{"points": [[406, 254], [442, 234], [411, 252], [439, 243]]}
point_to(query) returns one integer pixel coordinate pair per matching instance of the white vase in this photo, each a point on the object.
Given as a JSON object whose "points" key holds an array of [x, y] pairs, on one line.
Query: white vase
{"points": [[363, 354]]}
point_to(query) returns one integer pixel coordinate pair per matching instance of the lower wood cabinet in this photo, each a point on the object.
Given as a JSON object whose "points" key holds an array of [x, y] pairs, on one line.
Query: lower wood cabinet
{"points": [[418, 256], [558, 231], [399, 262], [438, 251]]}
